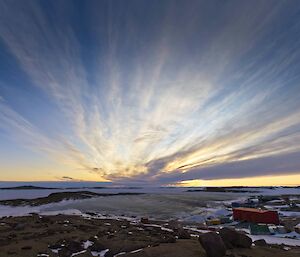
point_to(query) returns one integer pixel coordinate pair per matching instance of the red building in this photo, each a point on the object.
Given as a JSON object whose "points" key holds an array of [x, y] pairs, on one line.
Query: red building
{"points": [[256, 215]]}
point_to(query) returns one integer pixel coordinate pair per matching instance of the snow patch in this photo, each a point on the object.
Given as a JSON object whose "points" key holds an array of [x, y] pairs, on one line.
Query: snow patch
{"points": [[276, 240], [100, 254], [74, 254], [87, 244]]}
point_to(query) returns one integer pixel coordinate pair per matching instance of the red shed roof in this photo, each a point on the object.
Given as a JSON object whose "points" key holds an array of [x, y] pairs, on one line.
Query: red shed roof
{"points": [[252, 210]]}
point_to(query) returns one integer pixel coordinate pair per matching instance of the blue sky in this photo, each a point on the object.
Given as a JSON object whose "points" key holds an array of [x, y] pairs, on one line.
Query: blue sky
{"points": [[155, 92]]}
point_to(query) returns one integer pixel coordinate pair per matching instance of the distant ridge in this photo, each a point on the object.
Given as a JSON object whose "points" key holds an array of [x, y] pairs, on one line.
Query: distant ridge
{"points": [[60, 196], [27, 188]]}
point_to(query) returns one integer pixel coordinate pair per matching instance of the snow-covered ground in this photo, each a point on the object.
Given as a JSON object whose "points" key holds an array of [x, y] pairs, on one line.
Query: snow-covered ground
{"points": [[289, 213], [194, 206], [276, 240], [43, 210]]}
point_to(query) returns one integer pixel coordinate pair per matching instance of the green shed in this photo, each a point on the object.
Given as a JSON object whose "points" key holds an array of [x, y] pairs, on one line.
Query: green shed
{"points": [[259, 229]]}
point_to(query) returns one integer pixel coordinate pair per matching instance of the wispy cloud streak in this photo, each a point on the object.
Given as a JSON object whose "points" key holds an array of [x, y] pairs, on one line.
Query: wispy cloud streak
{"points": [[194, 98]]}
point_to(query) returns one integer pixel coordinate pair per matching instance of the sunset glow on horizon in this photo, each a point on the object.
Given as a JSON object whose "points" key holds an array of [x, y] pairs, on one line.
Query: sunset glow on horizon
{"points": [[263, 181]]}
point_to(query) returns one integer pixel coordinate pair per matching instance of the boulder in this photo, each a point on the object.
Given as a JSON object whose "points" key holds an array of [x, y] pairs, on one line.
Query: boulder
{"points": [[228, 236], [212, 244], [243, 241], [233, 238], [260, 242]]}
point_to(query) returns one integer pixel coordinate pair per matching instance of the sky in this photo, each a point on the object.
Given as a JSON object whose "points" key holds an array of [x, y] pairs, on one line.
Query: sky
{"points": [[150, 92]]}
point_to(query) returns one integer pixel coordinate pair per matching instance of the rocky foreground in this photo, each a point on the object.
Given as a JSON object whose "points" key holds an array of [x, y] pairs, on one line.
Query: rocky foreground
{"points": [[69, 236]]}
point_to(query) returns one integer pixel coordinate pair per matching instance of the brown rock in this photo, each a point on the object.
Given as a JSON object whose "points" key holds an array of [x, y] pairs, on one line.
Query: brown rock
{"points": [[243, 241], [260, 242], [233, 238], [228, 236], [212, 244]]}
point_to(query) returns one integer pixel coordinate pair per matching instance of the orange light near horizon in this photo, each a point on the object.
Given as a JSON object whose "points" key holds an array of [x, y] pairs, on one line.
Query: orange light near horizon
{"points": [[281, 180]]}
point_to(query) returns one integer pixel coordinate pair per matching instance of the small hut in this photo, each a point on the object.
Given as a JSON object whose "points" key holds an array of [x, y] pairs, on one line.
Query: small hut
{"points": [[256, 215]]}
